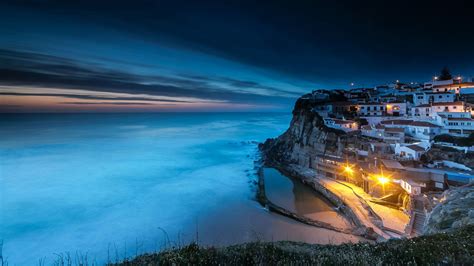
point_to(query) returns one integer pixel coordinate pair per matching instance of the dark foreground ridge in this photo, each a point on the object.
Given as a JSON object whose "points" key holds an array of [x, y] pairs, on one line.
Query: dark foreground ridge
{"points": [[456, 247]]}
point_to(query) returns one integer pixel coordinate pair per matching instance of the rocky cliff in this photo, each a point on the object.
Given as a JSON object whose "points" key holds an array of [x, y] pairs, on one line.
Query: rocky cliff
{"points": [[455, 210], [306, 138]]}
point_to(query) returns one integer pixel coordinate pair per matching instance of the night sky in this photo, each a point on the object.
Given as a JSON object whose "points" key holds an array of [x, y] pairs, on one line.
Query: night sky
{"points": [[219, 56]]}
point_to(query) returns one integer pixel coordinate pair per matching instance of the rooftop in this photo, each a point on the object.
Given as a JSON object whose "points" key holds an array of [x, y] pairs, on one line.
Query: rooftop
{"points": [[408, 123], [372, 104], [415, 148], [448, 104], [460, 119], [394, 130], [340, 121], [442, 104]]}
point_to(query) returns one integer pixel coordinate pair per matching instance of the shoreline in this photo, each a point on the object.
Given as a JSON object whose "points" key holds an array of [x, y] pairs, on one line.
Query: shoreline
{"points": [[267, 203], [358, 228], [369, 220]]}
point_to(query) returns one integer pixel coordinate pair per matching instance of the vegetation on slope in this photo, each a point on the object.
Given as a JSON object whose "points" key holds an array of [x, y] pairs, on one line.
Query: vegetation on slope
{"points": [[445, 248]]}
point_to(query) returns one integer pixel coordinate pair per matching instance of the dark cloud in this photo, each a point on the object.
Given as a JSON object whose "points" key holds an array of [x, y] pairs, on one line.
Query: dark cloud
{"points": [[328, 42], [90, 97], [40, 70]]}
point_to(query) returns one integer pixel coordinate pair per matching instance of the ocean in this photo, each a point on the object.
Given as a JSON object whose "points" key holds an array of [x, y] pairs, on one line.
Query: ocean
{"points": [[111, 186]]}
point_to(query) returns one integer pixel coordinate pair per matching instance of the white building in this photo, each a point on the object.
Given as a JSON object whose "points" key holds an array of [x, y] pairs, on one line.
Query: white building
{"points": [[453, 85], [420, 98], [345, 125], [430, 110], [456, 123], [371, 109], [420, 130], [467, 94], [411, 151], [389, 135], [396, 108], [412, 187], [373, 131], [394, 135]]}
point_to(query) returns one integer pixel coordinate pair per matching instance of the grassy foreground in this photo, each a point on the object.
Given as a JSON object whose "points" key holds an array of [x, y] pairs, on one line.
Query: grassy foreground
{"points": [[444, 248]]}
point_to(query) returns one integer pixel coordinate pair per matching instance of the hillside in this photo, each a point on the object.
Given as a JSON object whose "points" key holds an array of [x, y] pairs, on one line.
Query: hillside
{"points": [[456, 247]]}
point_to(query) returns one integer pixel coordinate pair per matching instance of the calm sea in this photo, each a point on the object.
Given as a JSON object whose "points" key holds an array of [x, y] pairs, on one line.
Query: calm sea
{"points": [[116, 185]]}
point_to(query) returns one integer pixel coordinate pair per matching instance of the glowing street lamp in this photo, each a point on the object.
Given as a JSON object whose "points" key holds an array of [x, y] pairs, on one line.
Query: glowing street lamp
{"points": [[348, 169], [435, 78], [382, 179]]}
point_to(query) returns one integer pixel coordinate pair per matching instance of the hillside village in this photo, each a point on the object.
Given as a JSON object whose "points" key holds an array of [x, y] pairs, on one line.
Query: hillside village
{"points": [[401, 144]]}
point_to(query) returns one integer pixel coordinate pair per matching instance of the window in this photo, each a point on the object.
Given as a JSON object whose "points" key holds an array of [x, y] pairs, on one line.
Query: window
{"points": [[454, 107]]}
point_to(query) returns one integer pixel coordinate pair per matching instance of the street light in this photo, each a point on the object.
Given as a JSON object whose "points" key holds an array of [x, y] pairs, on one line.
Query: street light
{"points": [[348, 169], [382, 179]]}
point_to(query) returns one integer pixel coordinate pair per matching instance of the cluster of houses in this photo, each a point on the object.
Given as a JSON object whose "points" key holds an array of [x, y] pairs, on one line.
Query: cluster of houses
{"points": [[399, 123], [402, 114]]}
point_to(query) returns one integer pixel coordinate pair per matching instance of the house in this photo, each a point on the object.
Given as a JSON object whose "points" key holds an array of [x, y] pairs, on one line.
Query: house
{"points": [[344, 108], [420, 130], [396, 108], [386, 134], [423, 110], [429, 110], [420, 98], [438, 83], [345, 125], [371, 109], [448, 107], [467, 94], [357, 95], [453, 85], [394, 135], [456, 123], [411, 151], [371, 131], [383, 98], [412, 187]]}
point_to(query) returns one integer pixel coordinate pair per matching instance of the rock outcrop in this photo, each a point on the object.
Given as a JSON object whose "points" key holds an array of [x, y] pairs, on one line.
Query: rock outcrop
{"points": [[306, 138], [455, 210], [438, 153]]}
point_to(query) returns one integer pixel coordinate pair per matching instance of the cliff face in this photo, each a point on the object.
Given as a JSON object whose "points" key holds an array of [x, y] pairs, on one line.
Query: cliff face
{"points": [[456, 210], [306, 138]]}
